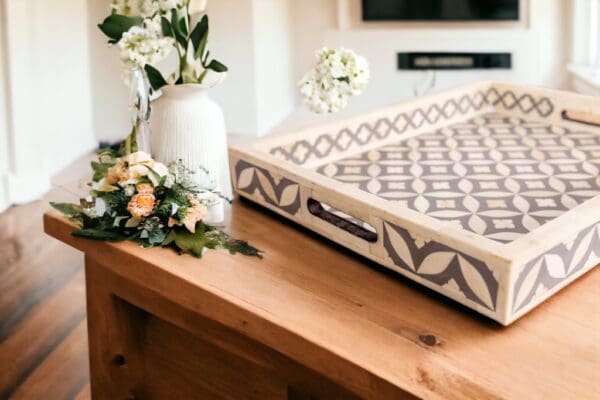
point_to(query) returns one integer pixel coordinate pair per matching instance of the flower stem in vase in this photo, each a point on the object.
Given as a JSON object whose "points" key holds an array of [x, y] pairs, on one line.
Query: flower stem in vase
{"points": [[140, 108]]}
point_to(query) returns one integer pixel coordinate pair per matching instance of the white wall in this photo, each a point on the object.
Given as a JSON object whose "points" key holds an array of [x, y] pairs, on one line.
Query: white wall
{"points": [[110, 112], [49, 91], [274, 69], [539, 43], [231, 41]]}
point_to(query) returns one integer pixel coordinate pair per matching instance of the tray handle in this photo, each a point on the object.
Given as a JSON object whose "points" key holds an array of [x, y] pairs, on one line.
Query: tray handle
{"points": [[316, 208], [581, 117]]}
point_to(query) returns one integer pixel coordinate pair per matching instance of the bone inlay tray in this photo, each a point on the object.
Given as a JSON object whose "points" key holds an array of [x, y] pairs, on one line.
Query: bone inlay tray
{"points": [[488, 194]]}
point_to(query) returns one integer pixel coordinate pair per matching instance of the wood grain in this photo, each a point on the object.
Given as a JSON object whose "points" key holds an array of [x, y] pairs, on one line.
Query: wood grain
{"points": [[374, 333], [43, 343]]}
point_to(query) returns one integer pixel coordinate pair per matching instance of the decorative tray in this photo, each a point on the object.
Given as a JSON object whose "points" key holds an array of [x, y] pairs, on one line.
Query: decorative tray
{"points": [[487, 194]]}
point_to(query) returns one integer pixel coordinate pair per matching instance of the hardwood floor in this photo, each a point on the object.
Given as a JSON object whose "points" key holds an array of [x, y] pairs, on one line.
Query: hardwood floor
{"points": [[43, 338]]}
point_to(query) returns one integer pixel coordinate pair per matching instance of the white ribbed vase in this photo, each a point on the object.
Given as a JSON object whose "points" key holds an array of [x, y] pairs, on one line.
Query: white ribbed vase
{"points": [[188, 125]]}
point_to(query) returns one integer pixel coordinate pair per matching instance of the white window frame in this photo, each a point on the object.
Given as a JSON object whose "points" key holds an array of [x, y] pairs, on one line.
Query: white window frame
{"points": [[585, 57]]}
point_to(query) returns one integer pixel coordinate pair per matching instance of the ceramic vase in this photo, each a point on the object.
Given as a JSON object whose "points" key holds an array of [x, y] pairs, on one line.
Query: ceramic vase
{"points": [[188, 125]]}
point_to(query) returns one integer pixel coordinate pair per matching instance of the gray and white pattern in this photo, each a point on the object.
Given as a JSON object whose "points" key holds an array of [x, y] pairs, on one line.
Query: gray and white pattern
{"points": [[495, 175], [558, 264], [334, 142], [281, 193], [452, 270]]}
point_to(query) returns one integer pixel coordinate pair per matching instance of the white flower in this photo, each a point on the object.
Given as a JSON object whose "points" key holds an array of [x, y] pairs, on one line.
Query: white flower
{"points": [[141, 45], [134, 8], [338, 75]]}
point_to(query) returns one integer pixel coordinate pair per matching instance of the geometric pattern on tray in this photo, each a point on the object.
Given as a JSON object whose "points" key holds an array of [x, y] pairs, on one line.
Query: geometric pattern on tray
{"points": [[323, 145], [441, 265], [281, 193], [556, 265], [496, 175]]}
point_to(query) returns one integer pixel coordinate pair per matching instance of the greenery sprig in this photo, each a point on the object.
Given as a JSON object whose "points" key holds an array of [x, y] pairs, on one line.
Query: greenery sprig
{"points": [[135, 198]]}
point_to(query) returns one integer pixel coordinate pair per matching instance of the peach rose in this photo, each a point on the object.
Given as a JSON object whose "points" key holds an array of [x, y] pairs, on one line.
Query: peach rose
{"points": [[141, 205]]}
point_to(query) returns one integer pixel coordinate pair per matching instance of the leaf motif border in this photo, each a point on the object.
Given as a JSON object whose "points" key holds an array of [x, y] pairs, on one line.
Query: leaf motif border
{"points": [[281, 193], [442, 265], [560, 263]]}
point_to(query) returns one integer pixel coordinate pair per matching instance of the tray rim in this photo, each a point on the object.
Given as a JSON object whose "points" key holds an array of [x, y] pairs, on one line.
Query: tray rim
{"points": [[507, 259], [520, 249]]}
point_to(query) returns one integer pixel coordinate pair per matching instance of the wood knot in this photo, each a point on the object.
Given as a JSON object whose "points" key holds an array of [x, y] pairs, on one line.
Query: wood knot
{"points": [[119, 360], [429, 340]]}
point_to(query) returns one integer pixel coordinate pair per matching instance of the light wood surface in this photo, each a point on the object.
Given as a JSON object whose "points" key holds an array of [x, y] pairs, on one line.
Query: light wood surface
{"points": [[332, 314]]}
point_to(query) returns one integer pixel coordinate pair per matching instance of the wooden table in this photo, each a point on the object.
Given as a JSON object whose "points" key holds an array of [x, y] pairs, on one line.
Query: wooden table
{"points": [[313, 321]]}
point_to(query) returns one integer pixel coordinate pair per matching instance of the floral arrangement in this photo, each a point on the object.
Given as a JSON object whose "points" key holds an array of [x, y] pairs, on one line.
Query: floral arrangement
{"points": [[338, 75], [147, 31], [134, 197]]}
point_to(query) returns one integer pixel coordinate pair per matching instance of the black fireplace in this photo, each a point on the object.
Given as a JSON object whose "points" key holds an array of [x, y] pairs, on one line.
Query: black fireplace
{"points": [[440, 10]]}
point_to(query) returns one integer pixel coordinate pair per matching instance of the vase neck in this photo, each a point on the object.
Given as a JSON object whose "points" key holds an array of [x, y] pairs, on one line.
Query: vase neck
{"points": [[188, 91]]}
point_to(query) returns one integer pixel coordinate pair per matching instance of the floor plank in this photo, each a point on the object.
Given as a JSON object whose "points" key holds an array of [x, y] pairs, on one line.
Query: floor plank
{"points": [[43, 341], [63, 374]]}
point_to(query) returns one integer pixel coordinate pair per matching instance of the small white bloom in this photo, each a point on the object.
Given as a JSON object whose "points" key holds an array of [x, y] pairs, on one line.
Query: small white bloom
{"points": [[129, 190], [143, 45], [134, 8], [100, 207], [338, 75]]}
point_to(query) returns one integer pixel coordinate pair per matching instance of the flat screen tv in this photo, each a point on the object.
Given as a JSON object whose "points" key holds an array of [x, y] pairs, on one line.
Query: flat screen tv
{"points": [[440, 10]]}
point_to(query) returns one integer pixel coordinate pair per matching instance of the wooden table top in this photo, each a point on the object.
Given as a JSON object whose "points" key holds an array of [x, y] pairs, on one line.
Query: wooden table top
{"points": [[363, 327]]}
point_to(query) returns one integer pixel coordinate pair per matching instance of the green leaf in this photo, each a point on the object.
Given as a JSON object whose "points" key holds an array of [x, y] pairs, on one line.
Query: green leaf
{"points": [[155, 77], [100, 170], [68, 209], [166, 27], [170, 238], [217, 66], [115, 25], [190, 242], [179, 35], [183, 27], [199, 37], [97, 234]]}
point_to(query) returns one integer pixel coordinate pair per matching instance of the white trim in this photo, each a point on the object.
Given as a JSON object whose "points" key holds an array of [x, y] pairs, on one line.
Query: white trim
{"points": [[4, 115]]}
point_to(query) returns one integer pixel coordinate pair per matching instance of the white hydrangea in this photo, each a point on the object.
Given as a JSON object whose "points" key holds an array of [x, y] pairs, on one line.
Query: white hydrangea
{"points": [[134, 8], [338, 75], [143, 45]]}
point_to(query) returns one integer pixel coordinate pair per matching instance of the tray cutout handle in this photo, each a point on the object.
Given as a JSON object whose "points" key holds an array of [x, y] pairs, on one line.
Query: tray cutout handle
{"points": [[316, 208], [581, 117]]}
